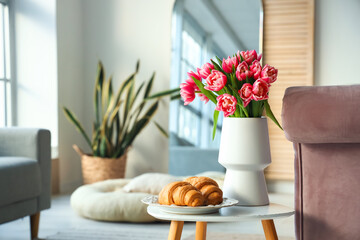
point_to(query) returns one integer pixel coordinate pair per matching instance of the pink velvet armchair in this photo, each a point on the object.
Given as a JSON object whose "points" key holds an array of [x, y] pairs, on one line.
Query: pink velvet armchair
{"points": [[323, 122]]}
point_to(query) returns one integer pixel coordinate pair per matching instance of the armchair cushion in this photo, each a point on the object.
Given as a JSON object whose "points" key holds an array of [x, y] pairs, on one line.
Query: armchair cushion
{"points": [[33, 143], [19, 179]]}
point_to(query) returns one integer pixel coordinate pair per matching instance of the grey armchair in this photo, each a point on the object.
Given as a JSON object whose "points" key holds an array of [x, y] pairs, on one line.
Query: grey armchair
{"points": [[25, 174]]}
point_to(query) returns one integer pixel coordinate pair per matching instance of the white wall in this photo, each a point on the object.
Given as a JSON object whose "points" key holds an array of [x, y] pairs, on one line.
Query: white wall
{"points": [[71, 89], [118, 33], [34, 64], [337, 42]]}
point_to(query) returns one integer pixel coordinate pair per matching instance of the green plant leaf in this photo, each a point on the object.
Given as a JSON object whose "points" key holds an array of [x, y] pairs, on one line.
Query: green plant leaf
{"points": [[146, 94], [219, 60], [161, 129], [104, 96], [138, 110], [234, 82], [107, 94], [136, 95], [109, 136], [115, 120], [216, 116], [128, 100], [270, 114], [97, 90], [255, 108], [72, 118], [211, 96], [136, 129], [175, 96], [100, 76], [114, 113], [217, 67], [124, 86], [243, 109], [113, 130], [103, 147], [139, 125], [137, 66], [96, 134], [117, 131], [109, 112], [149, 86], [163, 93], [111, 91]]}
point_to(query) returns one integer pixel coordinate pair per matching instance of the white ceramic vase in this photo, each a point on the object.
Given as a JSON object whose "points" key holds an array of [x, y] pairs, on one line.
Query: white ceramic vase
{"points": [[245, 153]]}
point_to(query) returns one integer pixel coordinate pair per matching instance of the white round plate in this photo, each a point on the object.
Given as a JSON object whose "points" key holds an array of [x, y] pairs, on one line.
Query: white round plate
{"points": [[153, 201]]}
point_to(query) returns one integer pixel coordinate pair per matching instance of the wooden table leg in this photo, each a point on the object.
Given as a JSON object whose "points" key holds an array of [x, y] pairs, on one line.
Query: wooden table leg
{"points": [[34, 225], [176, 228], [200, 231], [269, 229]]}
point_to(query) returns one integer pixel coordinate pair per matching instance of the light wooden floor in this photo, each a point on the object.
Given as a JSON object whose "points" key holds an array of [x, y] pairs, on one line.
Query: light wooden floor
{"points": [[60, 217]]}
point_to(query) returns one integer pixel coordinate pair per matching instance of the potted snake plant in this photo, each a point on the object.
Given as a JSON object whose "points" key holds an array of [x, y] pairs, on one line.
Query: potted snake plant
{"points": [[119, 119]]}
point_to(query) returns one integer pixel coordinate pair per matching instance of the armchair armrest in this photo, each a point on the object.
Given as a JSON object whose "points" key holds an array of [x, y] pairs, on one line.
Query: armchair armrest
{"points": [[32, 143], [322, 114]]}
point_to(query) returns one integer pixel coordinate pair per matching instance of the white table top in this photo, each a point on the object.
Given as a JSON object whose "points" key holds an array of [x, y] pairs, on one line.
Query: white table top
{"points": [[228, 214]]}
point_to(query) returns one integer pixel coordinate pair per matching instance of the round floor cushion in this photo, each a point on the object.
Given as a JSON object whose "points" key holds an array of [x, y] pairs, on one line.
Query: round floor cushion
{"points": [[106, 201]]}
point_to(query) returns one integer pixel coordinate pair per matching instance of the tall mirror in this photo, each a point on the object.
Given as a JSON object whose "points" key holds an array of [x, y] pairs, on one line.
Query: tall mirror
{"points": [[201, 30]]}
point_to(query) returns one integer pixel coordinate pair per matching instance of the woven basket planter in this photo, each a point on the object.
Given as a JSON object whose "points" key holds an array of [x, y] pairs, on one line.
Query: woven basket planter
{"points": [[96, 169]]}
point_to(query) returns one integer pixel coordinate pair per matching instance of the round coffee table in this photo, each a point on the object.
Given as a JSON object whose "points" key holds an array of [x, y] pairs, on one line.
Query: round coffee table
{"points": [[229, 214]]}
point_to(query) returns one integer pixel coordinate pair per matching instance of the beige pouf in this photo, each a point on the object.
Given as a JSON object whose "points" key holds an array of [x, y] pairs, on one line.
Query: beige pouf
{"points": [[106, 201]]}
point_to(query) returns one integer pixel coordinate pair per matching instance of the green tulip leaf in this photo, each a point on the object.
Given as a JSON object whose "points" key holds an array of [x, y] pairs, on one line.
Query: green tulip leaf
{"points": [[216, 116], [270, 114], [211, 96]]}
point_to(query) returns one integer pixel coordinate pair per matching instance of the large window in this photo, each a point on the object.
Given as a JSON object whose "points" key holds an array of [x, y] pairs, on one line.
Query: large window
{"points": [[193, 122], [5, 77]]}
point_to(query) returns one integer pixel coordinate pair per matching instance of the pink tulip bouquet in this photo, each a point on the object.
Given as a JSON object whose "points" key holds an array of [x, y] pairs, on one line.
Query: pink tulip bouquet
{"points": [[238, 86]]}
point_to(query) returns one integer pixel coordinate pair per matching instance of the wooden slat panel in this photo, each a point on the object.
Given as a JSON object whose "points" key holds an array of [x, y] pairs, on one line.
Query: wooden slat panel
{"points": [[288, 46]]}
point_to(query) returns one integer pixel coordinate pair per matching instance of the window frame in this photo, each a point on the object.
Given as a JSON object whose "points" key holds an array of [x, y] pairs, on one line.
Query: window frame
{"points": [[207, 45], [7, 79]]}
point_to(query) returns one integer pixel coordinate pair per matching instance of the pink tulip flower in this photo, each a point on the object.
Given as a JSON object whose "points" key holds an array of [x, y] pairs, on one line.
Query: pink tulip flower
{"points": [[191, 74], [227, 64], [246, 93], [270, 73], [205, 70], [226, 103], [203, 97], [187, 91], [249, 56], [260, 90], [256, 69], [242, 71], [191, 82], [215, 81]]}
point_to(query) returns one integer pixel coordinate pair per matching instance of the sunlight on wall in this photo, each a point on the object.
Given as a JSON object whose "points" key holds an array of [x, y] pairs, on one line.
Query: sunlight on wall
{"points": [[35, 65], [337, 38]]}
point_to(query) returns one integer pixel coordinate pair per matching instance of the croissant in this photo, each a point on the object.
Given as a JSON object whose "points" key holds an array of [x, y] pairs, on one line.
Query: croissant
{"points": [[181, 194], [209, 188]]}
